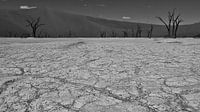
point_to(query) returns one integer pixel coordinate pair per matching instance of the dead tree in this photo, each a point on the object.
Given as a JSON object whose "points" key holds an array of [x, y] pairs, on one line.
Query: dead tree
{"points": [[125, 34], [177, 24], [103, 34], [69, 33], [133, 33], [150, 32], [113, 34], [139, 31], [34, 24], [10, 34], [172, 24]]}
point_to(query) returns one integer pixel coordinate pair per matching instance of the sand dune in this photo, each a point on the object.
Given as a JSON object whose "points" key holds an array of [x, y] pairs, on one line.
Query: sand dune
{"points": [[61, 23]]}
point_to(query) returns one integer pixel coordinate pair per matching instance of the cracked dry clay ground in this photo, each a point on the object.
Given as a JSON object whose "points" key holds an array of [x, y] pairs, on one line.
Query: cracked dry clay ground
{"points": [[102, 75]]}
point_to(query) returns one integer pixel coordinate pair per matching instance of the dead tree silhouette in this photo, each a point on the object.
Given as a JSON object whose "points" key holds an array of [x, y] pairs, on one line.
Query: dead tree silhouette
{"points": [[70, 33], [125, 33], [132, 33], [139, 31], [172, 24], [113, 34], [103, 34], [34, 24], [150, 32]]}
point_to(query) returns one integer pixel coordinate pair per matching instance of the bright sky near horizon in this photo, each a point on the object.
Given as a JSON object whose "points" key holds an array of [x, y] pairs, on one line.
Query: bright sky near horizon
{"points": [[143, 11]]}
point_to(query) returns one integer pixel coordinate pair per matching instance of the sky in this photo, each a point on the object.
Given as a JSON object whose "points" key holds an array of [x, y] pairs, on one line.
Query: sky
{"points": [[144, 11]]}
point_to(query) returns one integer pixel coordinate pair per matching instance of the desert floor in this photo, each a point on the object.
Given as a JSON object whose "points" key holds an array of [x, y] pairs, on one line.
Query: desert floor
{"points": [[100, 75]]}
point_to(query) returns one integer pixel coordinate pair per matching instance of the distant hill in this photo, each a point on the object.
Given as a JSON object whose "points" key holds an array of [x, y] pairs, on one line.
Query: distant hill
{"points": [[61, 23]]}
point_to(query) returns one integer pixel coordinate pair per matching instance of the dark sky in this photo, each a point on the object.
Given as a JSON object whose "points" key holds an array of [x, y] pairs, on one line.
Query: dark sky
{"points": [[126, 10]]}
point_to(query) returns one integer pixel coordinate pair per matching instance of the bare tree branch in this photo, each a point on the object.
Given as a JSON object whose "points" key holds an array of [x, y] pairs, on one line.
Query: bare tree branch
{"points": [[34, 24], [173, 23]]}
